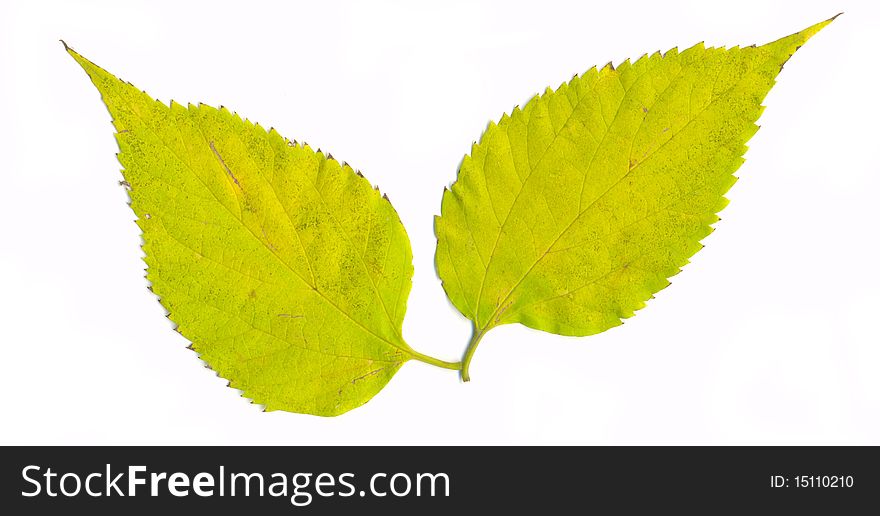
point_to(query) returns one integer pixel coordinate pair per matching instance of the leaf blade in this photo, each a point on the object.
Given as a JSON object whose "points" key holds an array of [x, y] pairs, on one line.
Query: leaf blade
{"points": [[571, 212], [288, 271]]}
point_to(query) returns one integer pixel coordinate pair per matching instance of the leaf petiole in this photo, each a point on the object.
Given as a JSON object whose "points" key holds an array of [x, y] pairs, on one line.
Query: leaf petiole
{"points": [[456, 366], [469, 353]]}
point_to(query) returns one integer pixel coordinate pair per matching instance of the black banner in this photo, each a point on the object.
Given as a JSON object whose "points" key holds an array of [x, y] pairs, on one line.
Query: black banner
{"points": [[428, 480]]}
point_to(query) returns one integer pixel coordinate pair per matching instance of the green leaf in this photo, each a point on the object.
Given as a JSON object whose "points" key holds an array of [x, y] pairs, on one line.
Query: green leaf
{"points": [[570, 213], [287, 271]]}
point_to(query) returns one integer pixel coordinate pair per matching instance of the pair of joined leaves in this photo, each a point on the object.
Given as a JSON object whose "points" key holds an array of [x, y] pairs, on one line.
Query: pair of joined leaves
{"points": [[289, 272]]}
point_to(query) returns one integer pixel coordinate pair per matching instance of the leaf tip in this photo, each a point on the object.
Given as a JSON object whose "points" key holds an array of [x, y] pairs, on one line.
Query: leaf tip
{"points": [[811, 31]]}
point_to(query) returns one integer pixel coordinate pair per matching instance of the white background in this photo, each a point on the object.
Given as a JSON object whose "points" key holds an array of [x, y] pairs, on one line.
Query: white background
{"points": [[769, 336]]}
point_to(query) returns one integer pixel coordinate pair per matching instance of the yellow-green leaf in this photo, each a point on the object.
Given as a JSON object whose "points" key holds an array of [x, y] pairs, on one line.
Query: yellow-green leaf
{"points": [[570, 213], [287, 271]]}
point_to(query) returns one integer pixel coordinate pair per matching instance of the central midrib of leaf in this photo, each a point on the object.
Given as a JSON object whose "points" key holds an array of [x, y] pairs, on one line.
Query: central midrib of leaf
{"points": [[493, 319]]}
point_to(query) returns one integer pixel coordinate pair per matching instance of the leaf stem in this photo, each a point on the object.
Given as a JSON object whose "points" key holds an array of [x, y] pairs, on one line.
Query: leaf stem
{"points": [[469, 353], [456, 366]]}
